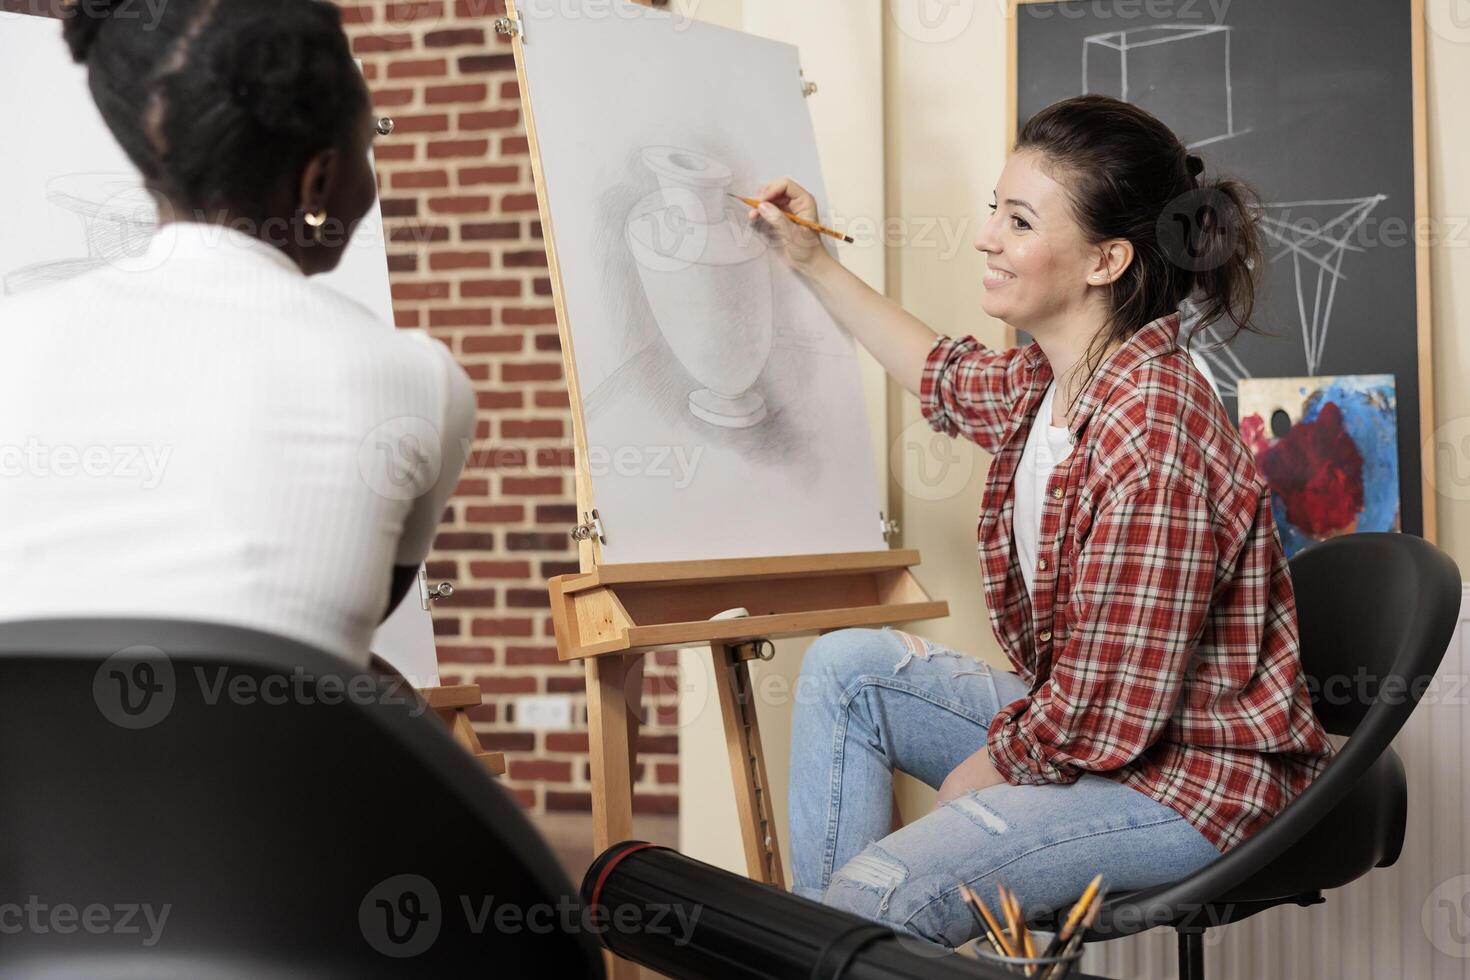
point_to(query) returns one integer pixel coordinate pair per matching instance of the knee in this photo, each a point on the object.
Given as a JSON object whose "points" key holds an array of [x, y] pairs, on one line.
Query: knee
{"points": [[844, 654], [879, 886], [833, 662], [830, 649]]}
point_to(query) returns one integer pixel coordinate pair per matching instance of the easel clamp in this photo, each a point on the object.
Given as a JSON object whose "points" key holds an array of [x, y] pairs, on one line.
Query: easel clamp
{"points": [[757, 649], [591, 527]]}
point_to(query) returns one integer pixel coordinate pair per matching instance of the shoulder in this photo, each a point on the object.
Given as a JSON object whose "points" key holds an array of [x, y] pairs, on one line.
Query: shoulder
{"points": [[408, 360], [1164, 427], [370, 344]]}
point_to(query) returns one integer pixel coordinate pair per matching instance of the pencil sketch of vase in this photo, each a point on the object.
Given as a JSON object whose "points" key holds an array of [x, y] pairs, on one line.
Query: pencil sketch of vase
{"points": [[118, 219], [708, 281]]}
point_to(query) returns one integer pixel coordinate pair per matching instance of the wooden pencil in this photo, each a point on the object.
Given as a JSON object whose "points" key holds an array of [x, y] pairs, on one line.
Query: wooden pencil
{"points": [[797, 219], [1075, 916], [1010, 914], [1060, 970], [971, 901], [1019, 934], [993, 925]]}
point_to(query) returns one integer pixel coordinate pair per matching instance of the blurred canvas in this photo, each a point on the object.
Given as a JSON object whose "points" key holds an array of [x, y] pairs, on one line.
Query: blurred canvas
{"points": [[1327, 447]]}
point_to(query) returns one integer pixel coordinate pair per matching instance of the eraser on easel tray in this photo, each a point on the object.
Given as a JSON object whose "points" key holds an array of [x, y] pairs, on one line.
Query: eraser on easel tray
{"points": [[737, 613]]}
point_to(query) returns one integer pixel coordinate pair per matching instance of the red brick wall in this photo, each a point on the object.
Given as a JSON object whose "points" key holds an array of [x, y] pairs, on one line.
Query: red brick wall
{"points": [[468, 265]]}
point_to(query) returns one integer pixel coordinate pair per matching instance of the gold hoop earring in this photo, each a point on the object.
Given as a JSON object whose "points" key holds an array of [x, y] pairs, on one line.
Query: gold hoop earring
{"points": [[316, 219]]}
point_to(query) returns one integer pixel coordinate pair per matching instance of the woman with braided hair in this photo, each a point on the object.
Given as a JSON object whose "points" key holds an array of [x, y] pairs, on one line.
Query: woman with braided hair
{"points": [[290, 454]]}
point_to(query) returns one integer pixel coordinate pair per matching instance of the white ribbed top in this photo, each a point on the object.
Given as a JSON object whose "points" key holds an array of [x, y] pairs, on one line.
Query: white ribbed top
{"points": [[205, 433]]}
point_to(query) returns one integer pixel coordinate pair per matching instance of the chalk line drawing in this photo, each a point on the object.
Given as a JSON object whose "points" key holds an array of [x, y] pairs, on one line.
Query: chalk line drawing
{"points": [[1142, 66], [1309, 241], [1317, 235]]}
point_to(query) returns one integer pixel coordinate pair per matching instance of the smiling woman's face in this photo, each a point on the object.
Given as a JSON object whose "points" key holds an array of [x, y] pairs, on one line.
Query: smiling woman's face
{"points": [[1039, 265]]}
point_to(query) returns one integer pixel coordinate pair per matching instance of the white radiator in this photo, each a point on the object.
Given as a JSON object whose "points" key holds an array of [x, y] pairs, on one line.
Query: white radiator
{"points": [[1409, 921]]}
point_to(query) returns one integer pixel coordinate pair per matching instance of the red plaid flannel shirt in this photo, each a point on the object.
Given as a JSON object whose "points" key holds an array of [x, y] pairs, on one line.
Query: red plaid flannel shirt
{"points": [[1162, 648]]}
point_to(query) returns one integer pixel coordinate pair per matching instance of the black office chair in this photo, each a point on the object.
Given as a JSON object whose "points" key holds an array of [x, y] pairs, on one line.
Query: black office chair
{"points": [[1375, 609], [292, 816]]}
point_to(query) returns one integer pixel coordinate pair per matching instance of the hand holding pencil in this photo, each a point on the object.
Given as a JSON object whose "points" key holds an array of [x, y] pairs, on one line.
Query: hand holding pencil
{"points": [[791, 211]]}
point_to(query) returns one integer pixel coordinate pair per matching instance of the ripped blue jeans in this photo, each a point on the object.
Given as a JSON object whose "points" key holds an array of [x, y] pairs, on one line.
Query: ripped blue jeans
{"points": [[875, 700]]}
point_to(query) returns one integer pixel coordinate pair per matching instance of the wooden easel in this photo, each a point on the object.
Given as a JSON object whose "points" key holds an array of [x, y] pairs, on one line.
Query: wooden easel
{"points": [[451, 704], [613, 611], [608, 615]]}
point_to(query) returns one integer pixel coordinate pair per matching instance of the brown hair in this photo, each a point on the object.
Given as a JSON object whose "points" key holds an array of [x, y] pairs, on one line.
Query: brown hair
{"points": [[1128, 176]]}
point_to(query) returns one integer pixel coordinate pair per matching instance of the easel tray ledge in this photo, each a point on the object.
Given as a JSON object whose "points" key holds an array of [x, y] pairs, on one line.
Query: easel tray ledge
{"points": [[637, 607]]}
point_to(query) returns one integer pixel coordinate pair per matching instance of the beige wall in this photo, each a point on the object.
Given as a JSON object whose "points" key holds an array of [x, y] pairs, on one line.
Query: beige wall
{"points": [[943, 103], [1448, 59]]}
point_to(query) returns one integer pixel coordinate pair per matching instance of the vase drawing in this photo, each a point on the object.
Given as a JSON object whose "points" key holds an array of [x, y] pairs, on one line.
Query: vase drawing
{"points": [[707, 278], [118, 218]]}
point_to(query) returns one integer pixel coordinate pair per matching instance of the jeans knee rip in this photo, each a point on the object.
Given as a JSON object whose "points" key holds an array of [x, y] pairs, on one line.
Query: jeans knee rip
{"points": [[875, 870], [983, 816], [917, 646]]}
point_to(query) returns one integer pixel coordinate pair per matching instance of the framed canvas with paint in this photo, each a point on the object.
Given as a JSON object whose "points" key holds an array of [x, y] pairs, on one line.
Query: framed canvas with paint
{"points": [[1328, 449]]}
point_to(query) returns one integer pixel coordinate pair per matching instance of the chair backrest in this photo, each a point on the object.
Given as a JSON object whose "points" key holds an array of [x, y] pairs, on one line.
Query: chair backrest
{"points": [[1376, 613], [217, 802]]}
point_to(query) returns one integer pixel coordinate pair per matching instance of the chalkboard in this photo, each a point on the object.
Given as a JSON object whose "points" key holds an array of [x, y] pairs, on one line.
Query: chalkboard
{"points": [[1319, 105]]}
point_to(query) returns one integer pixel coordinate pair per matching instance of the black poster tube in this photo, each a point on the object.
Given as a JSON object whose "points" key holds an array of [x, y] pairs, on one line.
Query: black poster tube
{"points": [[692, 920]]}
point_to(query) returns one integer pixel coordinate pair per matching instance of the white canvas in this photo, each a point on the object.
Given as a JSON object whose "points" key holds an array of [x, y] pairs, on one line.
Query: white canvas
{"points": [[723, 405], [70, 200]]}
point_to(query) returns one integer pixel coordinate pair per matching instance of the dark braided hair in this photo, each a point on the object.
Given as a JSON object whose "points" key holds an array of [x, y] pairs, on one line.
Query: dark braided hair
{"points": [[1127, 176], [220, 102]]}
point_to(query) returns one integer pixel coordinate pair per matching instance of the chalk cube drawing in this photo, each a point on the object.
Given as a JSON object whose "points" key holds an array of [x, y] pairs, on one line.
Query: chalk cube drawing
{"points": [[1180, 73]]}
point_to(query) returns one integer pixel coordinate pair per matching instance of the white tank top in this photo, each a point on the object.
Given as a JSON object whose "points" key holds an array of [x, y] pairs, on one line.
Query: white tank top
{"points": [[1046, 446]]}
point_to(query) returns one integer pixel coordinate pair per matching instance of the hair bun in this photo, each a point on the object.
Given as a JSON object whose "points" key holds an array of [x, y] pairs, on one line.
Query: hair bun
{"points": [[1193, 164], [84, 18]]}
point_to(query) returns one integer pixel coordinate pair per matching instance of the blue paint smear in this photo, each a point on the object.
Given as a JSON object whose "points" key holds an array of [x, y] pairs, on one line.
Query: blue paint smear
{"points": [[1369, 414], [1292, 540]]}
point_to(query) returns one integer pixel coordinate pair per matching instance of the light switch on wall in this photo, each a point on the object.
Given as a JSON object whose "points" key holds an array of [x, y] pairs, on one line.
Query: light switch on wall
{"points": [[547, 711]]}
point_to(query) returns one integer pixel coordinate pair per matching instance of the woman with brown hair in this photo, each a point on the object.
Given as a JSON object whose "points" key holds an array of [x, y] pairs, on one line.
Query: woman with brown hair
{"points": [[1158, 713]]}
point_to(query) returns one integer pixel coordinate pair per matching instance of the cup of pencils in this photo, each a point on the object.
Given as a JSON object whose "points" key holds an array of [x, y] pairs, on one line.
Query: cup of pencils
{"points": [[1006, 940]]}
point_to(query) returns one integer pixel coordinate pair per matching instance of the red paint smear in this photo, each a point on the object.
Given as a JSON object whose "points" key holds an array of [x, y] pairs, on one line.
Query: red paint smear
{"points": [[1318, 472], [1253, 430]]}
